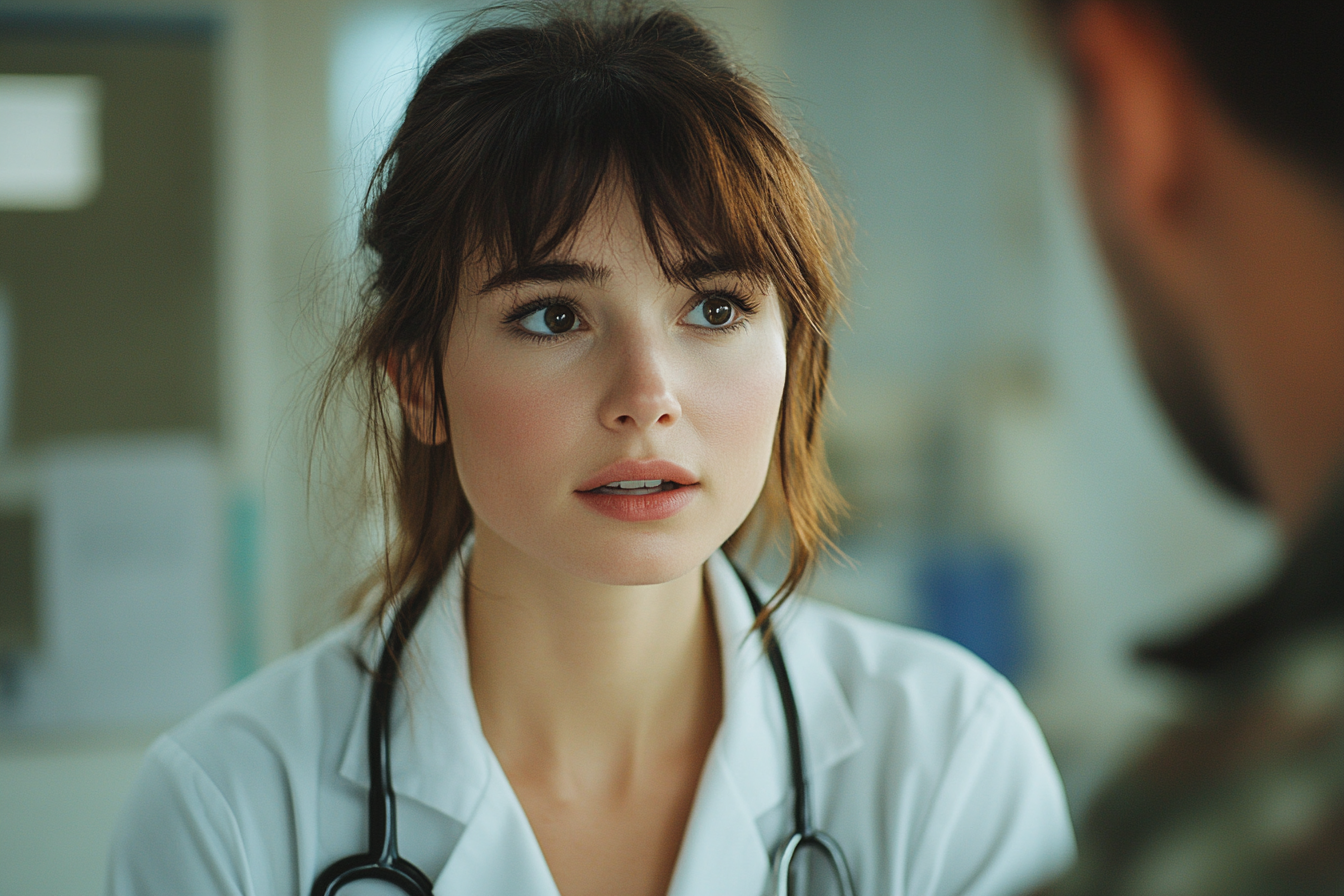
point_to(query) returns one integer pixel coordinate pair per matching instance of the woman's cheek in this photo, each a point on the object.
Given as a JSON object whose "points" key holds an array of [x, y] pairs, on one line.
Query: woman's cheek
{"points": [[508, 429], [739, 410]]}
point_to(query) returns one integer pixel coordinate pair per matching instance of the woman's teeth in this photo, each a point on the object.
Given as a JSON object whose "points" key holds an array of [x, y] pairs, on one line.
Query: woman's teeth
{"points": [[637, 487]]}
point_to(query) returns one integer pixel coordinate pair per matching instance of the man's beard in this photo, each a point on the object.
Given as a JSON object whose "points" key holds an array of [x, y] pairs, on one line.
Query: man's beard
{"points": [[1177, 374]]}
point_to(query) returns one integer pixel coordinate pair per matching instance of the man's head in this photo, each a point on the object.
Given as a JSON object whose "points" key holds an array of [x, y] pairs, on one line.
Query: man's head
{"points": [[1210, 146]]}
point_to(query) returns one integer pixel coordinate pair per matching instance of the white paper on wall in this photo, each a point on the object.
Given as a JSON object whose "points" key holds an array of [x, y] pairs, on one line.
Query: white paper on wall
{"points": [[132, 627], [50, 141]]}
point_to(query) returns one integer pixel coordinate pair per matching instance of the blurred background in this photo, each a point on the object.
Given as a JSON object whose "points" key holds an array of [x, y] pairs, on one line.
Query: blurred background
{"points": [[178, 181]]}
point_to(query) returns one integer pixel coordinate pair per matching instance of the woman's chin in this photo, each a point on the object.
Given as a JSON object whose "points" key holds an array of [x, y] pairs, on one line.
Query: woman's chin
{"points": [[594, 547], [639, 563], [605, 557]]}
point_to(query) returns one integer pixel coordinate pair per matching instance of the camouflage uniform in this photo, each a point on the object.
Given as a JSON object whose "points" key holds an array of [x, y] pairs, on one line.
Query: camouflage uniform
{"points": [[1245, 794]]}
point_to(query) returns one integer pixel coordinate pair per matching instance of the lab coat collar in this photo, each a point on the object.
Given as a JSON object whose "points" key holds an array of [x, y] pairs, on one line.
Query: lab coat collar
{"points": [[747, 773], [753, 739], [440, 757]]}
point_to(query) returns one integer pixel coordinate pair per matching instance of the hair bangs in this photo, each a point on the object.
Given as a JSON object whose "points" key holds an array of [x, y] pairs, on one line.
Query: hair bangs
{"points": [[702, 206]]}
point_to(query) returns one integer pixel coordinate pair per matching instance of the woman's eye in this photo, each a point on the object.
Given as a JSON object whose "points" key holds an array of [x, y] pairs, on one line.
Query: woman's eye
{"points": [[714, 312], [550, 321]]}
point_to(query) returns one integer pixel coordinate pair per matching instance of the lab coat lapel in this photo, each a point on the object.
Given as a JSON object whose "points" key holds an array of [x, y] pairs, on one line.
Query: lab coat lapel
{"points": [[441, 759], [722, 853], [747, 773], [498, 852]]}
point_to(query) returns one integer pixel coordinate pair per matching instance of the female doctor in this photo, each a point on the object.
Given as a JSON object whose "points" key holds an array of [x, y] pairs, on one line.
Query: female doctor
{"points": [[595, 349]]}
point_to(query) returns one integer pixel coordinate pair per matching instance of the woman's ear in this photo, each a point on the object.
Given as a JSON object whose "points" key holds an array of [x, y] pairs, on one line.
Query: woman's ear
{"points": [[415, 392]]}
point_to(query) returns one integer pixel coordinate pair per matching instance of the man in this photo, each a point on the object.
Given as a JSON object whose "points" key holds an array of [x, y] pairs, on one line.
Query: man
{"points": [[1209, 141]]}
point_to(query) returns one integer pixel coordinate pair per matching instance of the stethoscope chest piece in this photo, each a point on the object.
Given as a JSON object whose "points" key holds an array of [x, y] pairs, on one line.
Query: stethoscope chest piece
{"points": [[794, 865], [365, 875]]}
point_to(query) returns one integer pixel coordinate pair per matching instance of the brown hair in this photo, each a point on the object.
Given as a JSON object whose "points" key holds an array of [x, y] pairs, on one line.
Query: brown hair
{"points": [[508, 138]]}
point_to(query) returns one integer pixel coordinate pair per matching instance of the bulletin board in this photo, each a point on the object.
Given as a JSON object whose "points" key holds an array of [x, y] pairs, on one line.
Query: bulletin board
{"points": [[113, 305]]}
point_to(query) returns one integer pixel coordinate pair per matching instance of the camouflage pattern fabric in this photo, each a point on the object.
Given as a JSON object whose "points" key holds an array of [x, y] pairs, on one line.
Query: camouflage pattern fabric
{"points": [[1245, 793]]}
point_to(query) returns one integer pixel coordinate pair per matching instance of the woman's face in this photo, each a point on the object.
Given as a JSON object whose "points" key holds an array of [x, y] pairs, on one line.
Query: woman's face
{"points": [[606, 422]]}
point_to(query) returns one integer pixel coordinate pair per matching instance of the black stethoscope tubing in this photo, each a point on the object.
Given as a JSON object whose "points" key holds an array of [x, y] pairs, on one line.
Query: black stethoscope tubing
{"points": [[383, 863], [804, 835]]}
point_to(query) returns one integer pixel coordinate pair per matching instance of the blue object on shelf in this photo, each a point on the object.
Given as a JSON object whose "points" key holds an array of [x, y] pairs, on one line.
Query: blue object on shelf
{"points": [[972, 594]]}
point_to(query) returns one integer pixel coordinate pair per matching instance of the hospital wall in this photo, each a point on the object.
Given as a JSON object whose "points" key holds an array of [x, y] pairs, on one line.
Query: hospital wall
{"points": [[986, 406]]}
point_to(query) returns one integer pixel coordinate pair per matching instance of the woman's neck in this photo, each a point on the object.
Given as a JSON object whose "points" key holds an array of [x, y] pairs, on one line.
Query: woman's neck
{"points": [[587, 686]]}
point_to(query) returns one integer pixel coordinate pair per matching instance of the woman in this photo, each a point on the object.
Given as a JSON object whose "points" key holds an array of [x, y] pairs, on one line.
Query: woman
{"points": [[601, 296]]}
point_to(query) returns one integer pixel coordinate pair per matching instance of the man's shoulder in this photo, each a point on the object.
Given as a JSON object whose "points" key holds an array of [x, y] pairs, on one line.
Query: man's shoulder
{"points": [[1248, 781]]}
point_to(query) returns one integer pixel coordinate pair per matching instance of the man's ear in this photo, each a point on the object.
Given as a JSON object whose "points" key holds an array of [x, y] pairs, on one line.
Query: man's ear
{"points": [[415, 392], [1137, 140]]}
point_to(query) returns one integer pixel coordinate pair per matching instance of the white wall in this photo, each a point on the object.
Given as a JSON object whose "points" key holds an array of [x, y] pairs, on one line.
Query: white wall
{"points": [[58, 802]]}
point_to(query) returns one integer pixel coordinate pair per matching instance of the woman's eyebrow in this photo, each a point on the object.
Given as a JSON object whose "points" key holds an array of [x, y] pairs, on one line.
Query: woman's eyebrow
{"points": [[547, 272], [697, 269]]}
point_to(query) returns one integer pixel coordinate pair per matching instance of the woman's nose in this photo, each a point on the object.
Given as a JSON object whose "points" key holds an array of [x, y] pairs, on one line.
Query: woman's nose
{"points": [[641, 393]]}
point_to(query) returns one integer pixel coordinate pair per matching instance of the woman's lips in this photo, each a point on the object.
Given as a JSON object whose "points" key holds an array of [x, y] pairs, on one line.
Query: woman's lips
{"points": [[630, 470], [640, 508], [678, 488]]}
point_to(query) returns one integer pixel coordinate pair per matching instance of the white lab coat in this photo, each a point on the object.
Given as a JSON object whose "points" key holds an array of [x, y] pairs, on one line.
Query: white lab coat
{"points": [[924, 765]]}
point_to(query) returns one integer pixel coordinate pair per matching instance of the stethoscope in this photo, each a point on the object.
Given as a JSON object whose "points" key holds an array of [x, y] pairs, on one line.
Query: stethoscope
{"points": [[383, 863]]}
